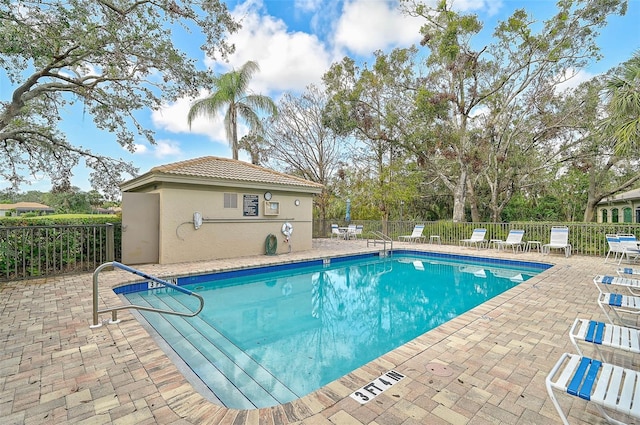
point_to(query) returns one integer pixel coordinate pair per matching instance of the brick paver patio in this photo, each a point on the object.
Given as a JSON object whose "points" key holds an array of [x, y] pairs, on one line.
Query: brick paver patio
{"points": [[55, 369]]}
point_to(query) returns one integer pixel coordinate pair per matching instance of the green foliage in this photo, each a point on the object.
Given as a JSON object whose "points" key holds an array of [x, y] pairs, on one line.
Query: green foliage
{"points": [[110, 58], [518, 209], [489, 117], [73, 200], [546, 208], [537, 209], [623, 121], [30, 214], [31, 247], [60, 219]]}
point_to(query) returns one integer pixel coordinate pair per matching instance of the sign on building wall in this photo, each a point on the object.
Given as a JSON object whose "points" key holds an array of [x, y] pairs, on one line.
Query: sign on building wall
{"points": [[250, 206]]}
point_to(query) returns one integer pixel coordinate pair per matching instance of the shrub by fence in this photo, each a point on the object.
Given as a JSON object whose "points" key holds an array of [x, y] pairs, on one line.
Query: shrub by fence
{"points": [[31, 248], [29, 251], [585, 238]]}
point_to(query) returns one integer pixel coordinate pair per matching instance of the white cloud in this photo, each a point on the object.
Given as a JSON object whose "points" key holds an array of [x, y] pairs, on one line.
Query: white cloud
{"points": [[490, 7], [163, 148], [140, 149], [167, 148], [572, 78], [289, 61], [173, 118], [366, 26], [307, 5]]}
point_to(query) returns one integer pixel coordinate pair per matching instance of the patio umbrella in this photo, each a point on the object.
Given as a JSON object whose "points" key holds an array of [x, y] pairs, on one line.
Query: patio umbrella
{"points": [[347, 216]]}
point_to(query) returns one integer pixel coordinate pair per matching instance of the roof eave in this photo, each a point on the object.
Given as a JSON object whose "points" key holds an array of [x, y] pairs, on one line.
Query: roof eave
{"points": [[154, 177]]}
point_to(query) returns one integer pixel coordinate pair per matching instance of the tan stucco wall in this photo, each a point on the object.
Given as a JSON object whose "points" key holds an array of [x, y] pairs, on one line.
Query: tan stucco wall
{"points": [[225, 232]]}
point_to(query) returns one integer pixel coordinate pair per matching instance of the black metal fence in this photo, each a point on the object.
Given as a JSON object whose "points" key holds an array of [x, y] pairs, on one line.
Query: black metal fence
{"points": [[36, 251], [585, 238]]}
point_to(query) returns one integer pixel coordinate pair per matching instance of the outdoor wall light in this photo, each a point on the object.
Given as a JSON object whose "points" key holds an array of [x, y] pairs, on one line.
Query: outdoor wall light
{"points": [[197, 220]]}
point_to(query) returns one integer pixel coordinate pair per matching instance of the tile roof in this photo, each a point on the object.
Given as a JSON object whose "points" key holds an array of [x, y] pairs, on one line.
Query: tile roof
{"points": [[625, 196], [25, 206], [230, 169]]}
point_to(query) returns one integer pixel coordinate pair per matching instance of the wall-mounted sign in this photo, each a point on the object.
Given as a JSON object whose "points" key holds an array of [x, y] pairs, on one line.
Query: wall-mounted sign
{"points": [[250, 206]]}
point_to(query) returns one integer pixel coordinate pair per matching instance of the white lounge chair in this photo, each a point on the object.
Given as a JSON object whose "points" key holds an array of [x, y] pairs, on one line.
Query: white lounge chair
{"points": [[415, 236], [477, 238], [627, 271], [359, 230], [606, 385], [629, 248], [351, 232], [336, 232], [514, 240], [633, 285], [618, 303], [559, 239], [613, 241], [603, 334]]}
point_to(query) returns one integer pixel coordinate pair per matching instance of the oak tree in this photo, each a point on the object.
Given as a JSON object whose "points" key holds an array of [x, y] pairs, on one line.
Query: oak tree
{"points": [[111, 57]]}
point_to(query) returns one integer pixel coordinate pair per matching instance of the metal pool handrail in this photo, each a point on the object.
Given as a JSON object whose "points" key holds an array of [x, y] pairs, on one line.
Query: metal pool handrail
{"points": [[114, 310], [384, 239]]}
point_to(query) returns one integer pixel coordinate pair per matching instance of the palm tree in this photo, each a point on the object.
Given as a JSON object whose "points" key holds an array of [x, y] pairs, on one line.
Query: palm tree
{"points": [[230, 92], [623, 90]]}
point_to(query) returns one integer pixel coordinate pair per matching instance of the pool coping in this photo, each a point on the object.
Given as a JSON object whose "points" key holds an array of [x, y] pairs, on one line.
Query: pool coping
{"points": [[140, 284]]}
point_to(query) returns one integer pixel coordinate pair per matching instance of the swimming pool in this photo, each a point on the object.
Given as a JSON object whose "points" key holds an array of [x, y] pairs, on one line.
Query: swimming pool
{"points": [[273, 334]]}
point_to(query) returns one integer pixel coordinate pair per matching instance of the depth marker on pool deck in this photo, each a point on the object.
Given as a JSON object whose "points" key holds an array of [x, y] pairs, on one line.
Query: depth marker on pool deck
{"points": [[377, 386]]}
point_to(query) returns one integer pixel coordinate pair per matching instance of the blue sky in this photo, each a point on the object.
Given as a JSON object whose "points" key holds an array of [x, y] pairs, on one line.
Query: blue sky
{"points": [[295, 42]]}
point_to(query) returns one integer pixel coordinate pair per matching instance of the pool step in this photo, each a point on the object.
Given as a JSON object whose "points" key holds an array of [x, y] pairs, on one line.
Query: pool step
{"points": [[241, 383], [258, 374]]}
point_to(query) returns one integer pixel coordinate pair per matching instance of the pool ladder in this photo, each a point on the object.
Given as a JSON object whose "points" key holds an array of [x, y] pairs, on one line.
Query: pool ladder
{"points": [[380, 237], [114, 310]]}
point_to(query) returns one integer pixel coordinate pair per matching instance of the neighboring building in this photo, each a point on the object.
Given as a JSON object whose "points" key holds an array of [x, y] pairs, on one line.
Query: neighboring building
{"points": [[620, 208], [24, 207], [207, 208], [109, 211]]}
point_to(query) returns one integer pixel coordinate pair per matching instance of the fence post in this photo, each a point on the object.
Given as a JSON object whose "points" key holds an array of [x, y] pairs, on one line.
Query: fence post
{"points": [[111, 246]]}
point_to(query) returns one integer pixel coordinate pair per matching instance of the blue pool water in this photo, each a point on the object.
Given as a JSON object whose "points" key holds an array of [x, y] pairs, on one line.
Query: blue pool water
{"points": [[267, 337]]}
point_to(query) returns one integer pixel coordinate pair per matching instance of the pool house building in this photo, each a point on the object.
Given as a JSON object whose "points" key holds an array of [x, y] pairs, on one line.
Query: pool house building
{"points": [[212, 208]]}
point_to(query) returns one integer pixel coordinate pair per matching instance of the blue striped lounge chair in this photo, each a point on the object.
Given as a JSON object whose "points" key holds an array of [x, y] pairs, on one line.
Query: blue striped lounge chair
{"points": [[618, 303], [514, 240], [607, 386], [601, 334], [613, 241], [415, 236], [607, 282], [559, 239], [629, 248], [477, 238], [630, 271]]}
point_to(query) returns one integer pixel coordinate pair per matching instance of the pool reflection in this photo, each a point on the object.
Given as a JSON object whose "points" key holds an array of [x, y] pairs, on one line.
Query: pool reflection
{"points": [[311, 328]]}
